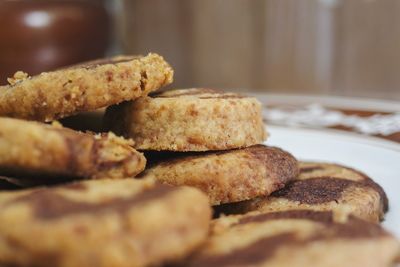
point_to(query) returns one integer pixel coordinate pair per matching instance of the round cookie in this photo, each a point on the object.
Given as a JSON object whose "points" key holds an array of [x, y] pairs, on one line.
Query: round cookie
{"points": [[322, 186], [189, 120], [103, 223], [296, 239], [83, 87], [228, 176], [35, 150]]}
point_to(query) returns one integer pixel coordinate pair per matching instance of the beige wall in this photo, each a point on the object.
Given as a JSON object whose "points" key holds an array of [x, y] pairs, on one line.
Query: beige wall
{"points": [[327, 46]]}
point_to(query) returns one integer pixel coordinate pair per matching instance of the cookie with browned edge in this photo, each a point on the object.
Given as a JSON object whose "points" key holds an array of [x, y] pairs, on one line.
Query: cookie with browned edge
{"points": [[195, 119], [84, 87], [323, 186], [34, 150], [296, 238], [228, 176], [102, 223]]}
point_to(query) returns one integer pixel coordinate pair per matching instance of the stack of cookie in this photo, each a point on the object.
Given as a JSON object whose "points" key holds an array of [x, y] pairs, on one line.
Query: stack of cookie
{"points": [[213, 141], [108, 221], [202, 149], [33, 152], [206, 139]]}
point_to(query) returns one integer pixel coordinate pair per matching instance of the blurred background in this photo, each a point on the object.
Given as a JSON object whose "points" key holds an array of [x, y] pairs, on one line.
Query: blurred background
{"points": [[334, 47]]}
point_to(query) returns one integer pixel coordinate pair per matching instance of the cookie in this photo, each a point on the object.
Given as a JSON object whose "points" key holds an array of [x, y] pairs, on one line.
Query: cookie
{"points": [[84, 87], [228, 176], [189, 120], [323, 186], [126, 223], [296, 238], [37, 151]]}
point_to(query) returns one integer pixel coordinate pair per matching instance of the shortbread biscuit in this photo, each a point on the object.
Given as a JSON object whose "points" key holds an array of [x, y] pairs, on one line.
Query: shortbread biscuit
{"points": [[228, 176], [36, 150], [296, 239], [84, 87], [323, 186], [102, 223], [189, 120]]}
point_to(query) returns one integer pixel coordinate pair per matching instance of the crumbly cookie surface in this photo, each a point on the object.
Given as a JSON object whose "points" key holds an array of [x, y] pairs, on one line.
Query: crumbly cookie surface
{"points": [[323, 186], [84, 87], [296, 238], [228, 176], [189, 120], [33, 150], [104, 223]]}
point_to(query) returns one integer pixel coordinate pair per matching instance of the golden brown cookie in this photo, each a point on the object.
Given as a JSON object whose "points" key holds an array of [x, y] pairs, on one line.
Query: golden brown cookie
{"points": [[228, 176], [189, 120], [322, 186], [102, 223], [36, 150], [296, 238], [84, 87]]}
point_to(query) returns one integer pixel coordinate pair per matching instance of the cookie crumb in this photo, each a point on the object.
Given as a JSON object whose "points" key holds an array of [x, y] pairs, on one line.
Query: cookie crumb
{"points": [[341, 214], [19, 76]]}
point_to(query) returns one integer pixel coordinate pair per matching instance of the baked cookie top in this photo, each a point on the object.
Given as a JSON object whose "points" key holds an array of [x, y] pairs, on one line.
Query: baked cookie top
{"points": [[226, 176], [37, 151], [296, 238], [194, 119], [101, 223], [84, 87], [323, 186]]}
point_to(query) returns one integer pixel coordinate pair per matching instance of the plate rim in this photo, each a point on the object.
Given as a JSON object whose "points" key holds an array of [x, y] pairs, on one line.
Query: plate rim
{"points": [[355, 137]]}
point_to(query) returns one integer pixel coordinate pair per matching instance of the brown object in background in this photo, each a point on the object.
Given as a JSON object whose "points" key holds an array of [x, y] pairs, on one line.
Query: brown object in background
{"points": [[326, 46], [42, 35]]}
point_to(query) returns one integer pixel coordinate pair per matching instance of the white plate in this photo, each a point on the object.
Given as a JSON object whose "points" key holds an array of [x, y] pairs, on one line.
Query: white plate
{"points": [[377, 158]]}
